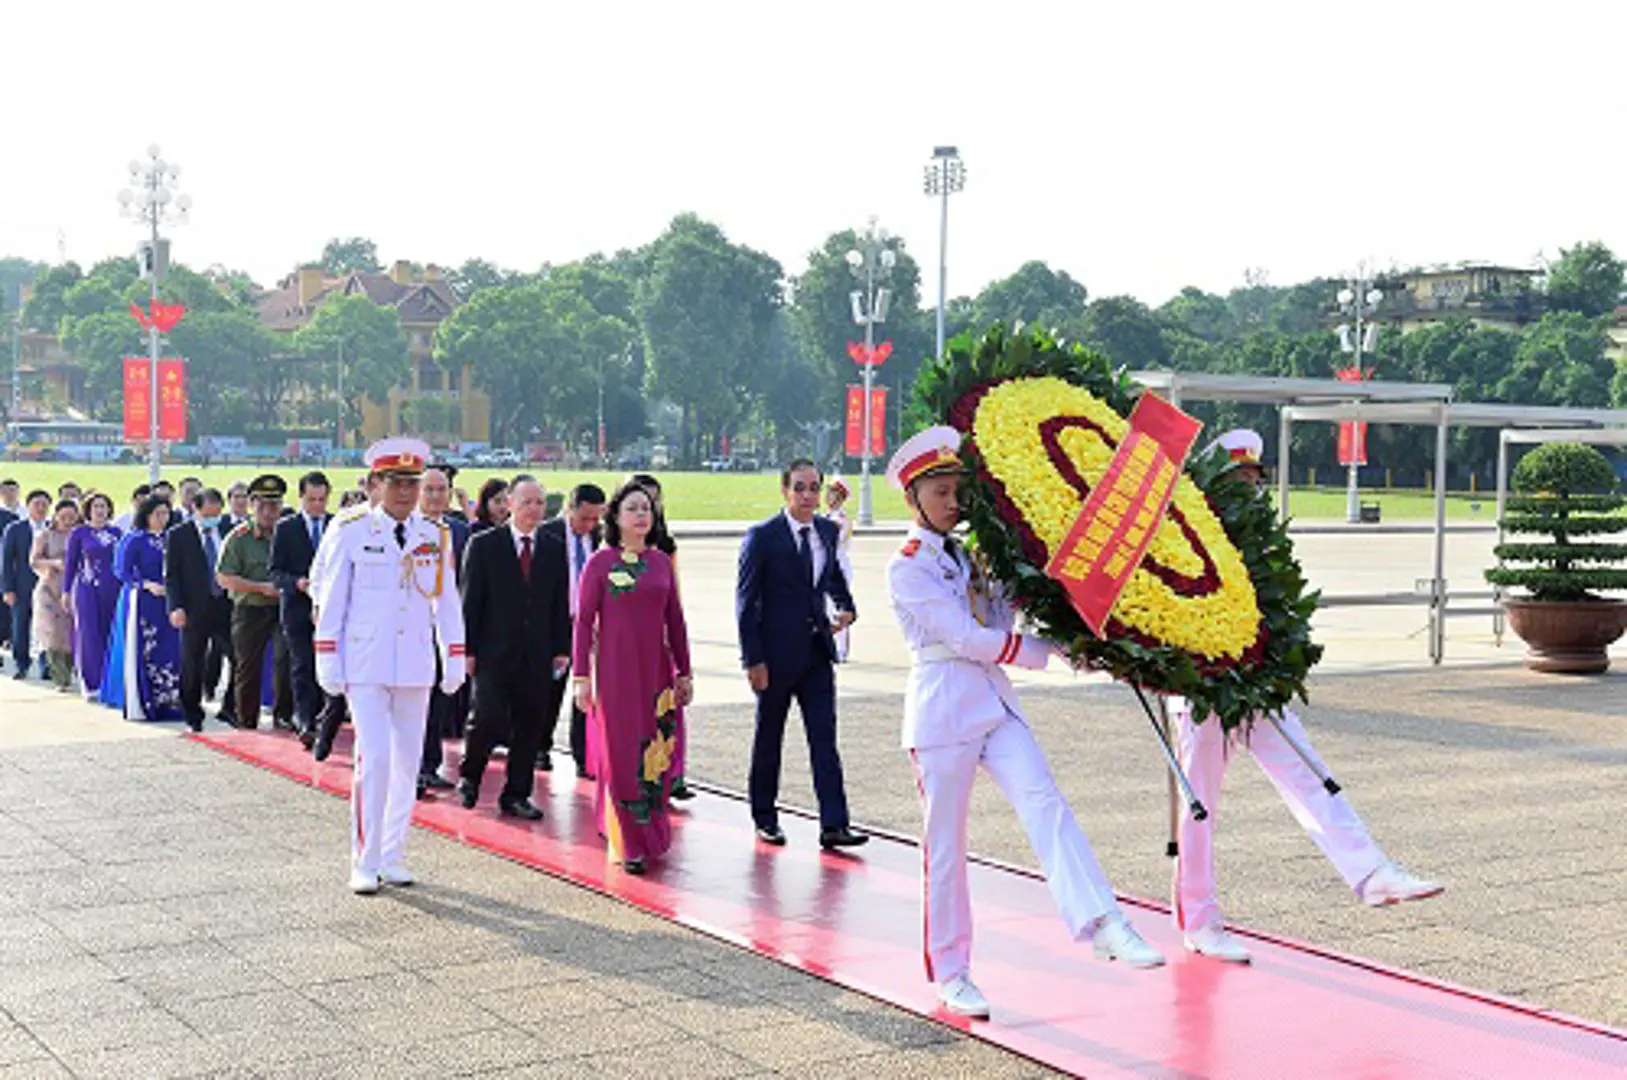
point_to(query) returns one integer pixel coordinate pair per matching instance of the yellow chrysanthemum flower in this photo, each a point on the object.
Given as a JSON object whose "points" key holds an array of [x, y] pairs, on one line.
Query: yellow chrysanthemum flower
{"points": [[1007, 426]]}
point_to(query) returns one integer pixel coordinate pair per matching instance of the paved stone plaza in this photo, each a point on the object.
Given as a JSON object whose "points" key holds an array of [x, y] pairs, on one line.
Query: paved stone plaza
{"points": [[167, 911]]}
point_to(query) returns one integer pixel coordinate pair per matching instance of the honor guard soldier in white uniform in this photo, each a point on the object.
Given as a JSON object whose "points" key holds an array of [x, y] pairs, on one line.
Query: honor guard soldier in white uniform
{"points": [[1284, 753], [960, 711], [388, 598]]}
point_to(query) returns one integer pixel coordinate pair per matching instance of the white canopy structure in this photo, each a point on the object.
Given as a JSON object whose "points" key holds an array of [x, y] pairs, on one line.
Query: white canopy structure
{"points": [[1380, 402]]}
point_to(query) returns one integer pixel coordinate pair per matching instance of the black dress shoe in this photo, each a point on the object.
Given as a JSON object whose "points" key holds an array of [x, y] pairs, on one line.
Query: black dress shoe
{"points": [[282, 723], [634, 866], [830, 839], [468, 793], [524, 809], [422, 791], [307, 737], [327, 728], [195, 723], [583, 774], [545, 761], [681, 790], [772, 835], [436, 782]]}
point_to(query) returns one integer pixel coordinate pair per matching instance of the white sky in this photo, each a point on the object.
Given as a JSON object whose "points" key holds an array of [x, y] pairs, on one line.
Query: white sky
{"points": [[1140, 146]]}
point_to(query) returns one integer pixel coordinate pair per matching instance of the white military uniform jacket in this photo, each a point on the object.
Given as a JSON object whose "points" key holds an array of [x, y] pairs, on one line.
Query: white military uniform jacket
{"points": [[959, 629], [383, 606]]}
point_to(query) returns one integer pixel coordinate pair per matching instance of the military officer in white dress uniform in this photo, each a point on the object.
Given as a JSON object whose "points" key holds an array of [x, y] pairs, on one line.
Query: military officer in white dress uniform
{"points": [[960, 711], [388, 598], [1329, 818]]}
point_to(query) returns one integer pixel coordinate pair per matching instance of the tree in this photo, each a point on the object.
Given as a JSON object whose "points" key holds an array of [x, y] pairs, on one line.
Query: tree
{"points": [[705, 309], [357, 253], [1125, 330], [226, 352], [821, 326], [47, 307], [1586, 279], [102, 341], [1560, 360], [1200, 314], [16, 274], [537, 350], [1035, 294], [477, 274], [362, 338]]}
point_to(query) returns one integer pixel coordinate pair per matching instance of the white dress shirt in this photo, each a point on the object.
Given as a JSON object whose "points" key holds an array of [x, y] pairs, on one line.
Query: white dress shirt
{"points": [[816, 547], [589, 546]]}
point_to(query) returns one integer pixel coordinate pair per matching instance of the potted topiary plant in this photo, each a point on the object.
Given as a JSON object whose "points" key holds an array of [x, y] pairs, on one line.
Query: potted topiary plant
{"points": [[1564, 492]]}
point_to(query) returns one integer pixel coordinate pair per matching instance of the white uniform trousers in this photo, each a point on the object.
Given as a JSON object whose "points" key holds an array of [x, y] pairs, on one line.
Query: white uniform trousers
{"points": [[389, 723], [1329, 819], [1013, 758]]}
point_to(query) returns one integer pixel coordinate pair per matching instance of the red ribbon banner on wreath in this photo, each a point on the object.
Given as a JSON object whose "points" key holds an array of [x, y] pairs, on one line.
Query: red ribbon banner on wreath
{"points": [[1122, 512]]}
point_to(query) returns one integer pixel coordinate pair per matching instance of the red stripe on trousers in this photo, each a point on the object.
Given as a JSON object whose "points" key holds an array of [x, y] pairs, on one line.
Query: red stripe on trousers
{"points": [[926, 874]]}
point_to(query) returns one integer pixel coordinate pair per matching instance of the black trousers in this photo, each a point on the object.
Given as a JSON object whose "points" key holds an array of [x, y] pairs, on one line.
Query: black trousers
{"points": [[553, 697], [507, 706], [814, 690], [300, 634], [448, 713], [22, 625], [209, 627], [254, 627]]}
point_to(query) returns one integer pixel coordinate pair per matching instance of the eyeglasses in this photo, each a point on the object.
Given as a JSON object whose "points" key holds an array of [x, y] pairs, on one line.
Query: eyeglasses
{"points": [[806, 489]]}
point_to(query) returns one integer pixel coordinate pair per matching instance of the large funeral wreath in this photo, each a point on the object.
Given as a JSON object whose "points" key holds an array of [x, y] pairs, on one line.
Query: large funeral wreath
{"points": [[1218, 611]]}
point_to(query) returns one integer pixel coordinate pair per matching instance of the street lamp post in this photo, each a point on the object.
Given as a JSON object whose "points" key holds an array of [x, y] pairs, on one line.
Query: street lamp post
{"points": [[944, 177], [872, 259], [151, 200], [1356, 300]]}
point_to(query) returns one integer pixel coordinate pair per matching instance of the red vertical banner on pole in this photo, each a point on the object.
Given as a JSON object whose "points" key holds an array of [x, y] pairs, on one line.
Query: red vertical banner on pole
{"points": [[855, 421], [172, 400], [1352, 433], [137, 394], [878, 421]]}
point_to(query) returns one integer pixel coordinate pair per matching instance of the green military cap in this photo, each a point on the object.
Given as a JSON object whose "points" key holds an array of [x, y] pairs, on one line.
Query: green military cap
{"points": [[269, 486]]}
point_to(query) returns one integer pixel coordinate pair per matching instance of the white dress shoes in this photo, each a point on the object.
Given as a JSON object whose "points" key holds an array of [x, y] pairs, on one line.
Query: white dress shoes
{"points": [[1116, 939], [962, 997], [1390, 884], [363, 884], [397, 875], [1214, 941]]}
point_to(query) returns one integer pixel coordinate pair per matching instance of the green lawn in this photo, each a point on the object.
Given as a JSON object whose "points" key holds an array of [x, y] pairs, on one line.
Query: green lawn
{"points": [[694, 496]]}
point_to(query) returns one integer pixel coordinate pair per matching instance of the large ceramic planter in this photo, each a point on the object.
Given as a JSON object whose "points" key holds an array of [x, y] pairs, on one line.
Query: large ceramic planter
{"points": [[1567, 637]]}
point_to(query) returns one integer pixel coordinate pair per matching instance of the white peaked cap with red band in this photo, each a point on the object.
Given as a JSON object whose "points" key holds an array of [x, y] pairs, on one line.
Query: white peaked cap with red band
{"points": [[935, 450], [398, 456], [1242, 446]]}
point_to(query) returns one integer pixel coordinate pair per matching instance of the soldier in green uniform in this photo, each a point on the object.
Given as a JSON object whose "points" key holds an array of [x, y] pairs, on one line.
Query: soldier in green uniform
{"points": [[244, 571]]}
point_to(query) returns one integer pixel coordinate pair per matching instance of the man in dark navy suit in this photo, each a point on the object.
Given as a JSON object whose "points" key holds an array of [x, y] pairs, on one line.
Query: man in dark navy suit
{"points": [[17, 576], [11, 509], [293, 546], [788, 567]]}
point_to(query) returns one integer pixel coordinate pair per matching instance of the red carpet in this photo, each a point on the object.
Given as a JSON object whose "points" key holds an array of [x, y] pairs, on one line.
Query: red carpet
{"points": [[1296, 1012]]}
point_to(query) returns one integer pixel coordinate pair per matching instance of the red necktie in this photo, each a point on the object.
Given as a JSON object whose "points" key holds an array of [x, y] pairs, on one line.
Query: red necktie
{"points": [[525, 558]]}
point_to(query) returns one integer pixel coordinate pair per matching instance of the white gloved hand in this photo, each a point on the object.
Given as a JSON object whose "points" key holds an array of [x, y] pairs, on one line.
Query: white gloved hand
{"points": [[330, 674], [452, 674]]}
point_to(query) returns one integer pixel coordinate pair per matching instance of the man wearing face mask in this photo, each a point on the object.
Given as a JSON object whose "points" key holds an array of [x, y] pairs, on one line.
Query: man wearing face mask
{"points": [[960, 712], [1280, 748]]}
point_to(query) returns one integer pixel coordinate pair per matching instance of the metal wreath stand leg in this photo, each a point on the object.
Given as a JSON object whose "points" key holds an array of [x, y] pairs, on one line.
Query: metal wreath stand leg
{"points": [[1177, 774], [1329, 784]]}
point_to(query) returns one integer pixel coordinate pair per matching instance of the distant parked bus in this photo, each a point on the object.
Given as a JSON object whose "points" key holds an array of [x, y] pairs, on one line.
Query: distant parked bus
{"points": [[65, 440]]}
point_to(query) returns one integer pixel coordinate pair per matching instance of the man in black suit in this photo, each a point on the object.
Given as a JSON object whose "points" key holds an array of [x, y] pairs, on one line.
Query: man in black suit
{"points": [[788, 567], [434, 495], [516, 614], [579, 532], [198, 607], [17, 577], [10, 510], [293, 546]]}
